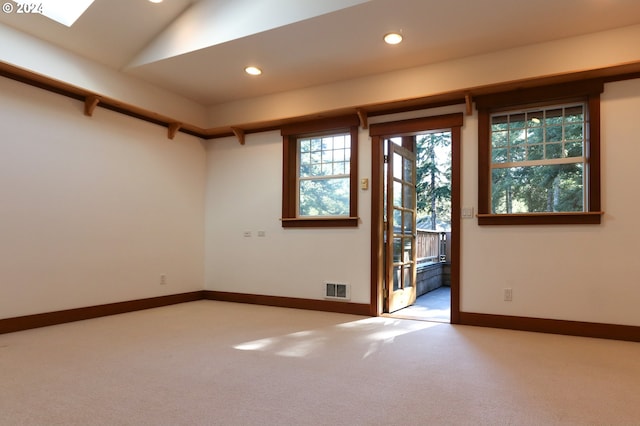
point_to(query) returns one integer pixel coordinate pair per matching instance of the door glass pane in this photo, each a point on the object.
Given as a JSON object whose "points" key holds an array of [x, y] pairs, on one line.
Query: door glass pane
{"points": [[397, 284], [397, 165], [397, 194], [408, 251], [407, 170], [397, 221], [408, 222], [397, 250], [407, 276], [407, 196]]}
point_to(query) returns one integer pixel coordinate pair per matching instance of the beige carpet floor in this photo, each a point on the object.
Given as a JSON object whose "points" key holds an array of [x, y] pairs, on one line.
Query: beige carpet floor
{"points": [[217, 363]]}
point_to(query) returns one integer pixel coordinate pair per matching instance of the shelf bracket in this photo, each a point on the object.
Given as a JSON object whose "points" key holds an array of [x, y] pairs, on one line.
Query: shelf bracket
{"points": [[362, 115], [239, 134], [173, 129], [469, 102], [90, 104]]}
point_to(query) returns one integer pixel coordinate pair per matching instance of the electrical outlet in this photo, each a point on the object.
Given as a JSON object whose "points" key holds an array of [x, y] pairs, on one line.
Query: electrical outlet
{"points": [[247, 234], [508, 294], [163, 279]]}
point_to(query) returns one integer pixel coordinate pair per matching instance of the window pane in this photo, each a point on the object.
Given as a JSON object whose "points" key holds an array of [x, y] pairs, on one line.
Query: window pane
{"points": [[535, 135], [574, 149], [499, 139], [573, 132], [553, 117], [305, 158], [554, 150], [517, 121], [536, 152], [305, 164], [499, 122], [574, 114], [517, 137], [499, 155], [551, 188], [316, 157], [535, 118], [326, 169], [324, 197], [553, 134], [518, 153]]}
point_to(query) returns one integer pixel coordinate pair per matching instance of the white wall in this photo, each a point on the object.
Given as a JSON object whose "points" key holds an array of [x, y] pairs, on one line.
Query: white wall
{"points": [[244, 193], [93, 210], [43, 58], [577, 272]]}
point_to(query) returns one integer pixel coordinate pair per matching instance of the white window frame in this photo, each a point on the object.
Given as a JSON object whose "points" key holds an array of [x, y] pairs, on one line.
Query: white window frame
{"points": [[545, 144]]}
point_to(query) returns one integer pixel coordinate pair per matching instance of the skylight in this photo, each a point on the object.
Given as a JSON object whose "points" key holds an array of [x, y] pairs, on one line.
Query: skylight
{"points": [[65, 12]]}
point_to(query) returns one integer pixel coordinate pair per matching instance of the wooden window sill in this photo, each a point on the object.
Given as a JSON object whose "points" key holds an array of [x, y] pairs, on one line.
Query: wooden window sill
{"points": [[568, 218], [319, 222]]}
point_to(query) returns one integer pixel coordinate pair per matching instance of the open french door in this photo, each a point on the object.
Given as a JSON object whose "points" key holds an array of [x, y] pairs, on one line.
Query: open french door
{"points": [[400, 229]]}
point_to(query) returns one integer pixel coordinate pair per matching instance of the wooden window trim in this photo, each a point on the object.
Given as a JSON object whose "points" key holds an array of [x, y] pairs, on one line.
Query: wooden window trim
{"points": [[290, 135], [589, 90]]}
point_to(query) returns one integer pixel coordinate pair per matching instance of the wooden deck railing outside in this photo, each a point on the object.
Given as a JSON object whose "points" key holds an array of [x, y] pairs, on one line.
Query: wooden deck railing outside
{"points": [[431, 246]]}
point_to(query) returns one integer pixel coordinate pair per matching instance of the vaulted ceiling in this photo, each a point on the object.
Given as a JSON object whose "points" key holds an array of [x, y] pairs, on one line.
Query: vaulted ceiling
{"points": [[199, 49]]}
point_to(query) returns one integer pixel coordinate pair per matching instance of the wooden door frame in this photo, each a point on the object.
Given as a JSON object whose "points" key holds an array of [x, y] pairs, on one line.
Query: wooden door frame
{"points": [[378, 132]]}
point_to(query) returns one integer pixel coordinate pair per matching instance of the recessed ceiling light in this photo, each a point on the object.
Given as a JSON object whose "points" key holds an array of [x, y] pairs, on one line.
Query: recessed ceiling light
{"points": [[392, 38], [155, 1], [253, 70]]}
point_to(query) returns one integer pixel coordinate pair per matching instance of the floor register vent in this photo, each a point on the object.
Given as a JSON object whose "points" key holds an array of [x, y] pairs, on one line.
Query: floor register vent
{"points": [[337, 291]]}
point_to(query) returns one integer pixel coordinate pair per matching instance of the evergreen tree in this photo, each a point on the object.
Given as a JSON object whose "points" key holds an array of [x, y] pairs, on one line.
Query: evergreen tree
{"points": [[433, 178]]}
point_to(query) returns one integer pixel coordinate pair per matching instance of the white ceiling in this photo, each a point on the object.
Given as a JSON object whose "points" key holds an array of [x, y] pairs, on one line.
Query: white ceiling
{"points": [[199, 48]]}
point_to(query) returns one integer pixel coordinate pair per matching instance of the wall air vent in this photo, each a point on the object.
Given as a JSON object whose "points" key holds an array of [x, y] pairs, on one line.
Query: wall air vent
{"points": [[337, 291]]}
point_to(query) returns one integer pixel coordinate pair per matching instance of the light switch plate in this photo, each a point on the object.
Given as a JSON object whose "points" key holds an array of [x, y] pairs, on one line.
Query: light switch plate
{"points": [[467, 212]]}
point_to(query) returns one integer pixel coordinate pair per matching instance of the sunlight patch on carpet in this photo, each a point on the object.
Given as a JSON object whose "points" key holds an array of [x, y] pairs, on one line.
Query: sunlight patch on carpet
{"points": [[370, 333]]}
